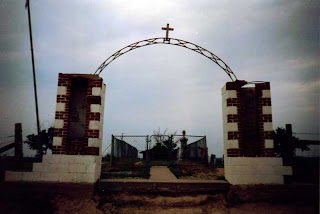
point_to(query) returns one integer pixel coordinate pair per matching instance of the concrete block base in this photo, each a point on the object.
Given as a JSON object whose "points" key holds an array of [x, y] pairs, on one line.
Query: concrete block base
{"points": [[255, 170], [61, 168]]}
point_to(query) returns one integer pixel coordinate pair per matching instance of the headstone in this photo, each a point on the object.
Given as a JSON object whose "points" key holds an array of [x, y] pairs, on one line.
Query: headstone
{"points": [[213, 161]]}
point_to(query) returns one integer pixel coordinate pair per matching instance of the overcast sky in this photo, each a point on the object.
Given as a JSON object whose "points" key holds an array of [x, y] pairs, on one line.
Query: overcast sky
{"points": [[161, 85]]}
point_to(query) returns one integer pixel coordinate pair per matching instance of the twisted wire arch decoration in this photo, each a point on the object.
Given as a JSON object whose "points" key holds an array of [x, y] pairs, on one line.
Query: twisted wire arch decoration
{"points": [[170, 41]]}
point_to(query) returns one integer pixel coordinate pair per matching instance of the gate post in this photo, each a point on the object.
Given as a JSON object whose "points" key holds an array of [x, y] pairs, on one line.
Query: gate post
{"points": [[248, 144], [76, 148]]}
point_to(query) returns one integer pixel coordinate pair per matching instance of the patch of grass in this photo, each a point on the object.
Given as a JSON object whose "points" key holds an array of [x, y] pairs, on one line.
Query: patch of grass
{"points": [[221, 177], [125, 169], [143, 173], [187, 169], [181, 172]]}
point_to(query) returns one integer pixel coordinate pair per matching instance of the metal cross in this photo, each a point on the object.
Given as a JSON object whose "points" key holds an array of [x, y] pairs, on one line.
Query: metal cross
{"points": [[167, 31]]}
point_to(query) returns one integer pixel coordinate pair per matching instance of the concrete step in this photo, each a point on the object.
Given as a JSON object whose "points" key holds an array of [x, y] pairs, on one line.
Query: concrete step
{"points": [[162, 187]]}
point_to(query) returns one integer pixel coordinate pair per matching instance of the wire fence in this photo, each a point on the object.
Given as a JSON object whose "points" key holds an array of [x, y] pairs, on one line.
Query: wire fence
{"points": [[158, 147], [129, 146], [313, 148], [314, 151]]}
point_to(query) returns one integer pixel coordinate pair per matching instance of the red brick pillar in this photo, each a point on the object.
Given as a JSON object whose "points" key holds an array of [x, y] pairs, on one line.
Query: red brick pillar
{"points": [[247, 120], [79, 131], [248, 144], [78, 126]]}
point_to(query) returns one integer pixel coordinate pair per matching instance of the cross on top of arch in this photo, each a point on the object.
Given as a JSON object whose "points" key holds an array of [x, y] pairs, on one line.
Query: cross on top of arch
{"points": [[167, 29]]}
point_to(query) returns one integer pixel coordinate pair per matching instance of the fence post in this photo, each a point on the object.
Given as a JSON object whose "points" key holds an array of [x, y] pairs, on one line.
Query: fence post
{"points": [[290, 146], [18, 141], [112, 149], [170, 147], [147, 148], [18, 153]]}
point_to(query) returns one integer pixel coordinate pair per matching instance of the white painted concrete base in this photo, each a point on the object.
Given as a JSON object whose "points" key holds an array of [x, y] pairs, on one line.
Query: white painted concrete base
{"points": [[255, 170], [61, 168]]}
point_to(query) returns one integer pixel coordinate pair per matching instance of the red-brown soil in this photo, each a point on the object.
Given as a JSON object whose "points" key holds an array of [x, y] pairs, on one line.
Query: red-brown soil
{"points": [[81, 198]]}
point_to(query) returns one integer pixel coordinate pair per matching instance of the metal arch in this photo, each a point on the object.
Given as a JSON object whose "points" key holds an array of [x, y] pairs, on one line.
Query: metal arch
{"points": [[170, 41]]}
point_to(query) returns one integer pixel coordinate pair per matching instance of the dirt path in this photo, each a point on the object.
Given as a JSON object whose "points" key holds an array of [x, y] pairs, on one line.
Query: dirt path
{"points": [[161, 173]]}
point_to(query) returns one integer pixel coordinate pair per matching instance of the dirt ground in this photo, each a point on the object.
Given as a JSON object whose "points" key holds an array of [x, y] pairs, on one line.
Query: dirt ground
{"points": [[250, 208], [158, 205], [81, 198], [202, 204]]}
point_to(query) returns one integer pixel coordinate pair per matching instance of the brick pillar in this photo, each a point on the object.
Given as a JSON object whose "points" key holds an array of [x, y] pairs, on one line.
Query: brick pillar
{"points": [[247, 117], [76, 153], [89, 143], [248, 144]]}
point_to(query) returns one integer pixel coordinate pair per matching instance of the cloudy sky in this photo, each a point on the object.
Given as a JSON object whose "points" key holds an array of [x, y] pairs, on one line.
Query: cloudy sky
{"points": [[161, 85]]}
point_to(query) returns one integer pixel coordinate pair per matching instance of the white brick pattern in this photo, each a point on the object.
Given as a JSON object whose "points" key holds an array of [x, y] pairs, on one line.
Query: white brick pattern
{"points": [[93, 124], [232, 144], [266, 110], [267, 126], [58, 124], [266, 94], [57, 141], [93, 142], [60, 107], [231, 127], [268, 144], [96, 91], [62, 90], [96, 108]]}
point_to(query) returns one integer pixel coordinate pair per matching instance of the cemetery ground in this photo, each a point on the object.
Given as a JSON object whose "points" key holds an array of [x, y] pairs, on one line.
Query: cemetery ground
{"points": [[192, 170], [125, 169], [186, 169]]}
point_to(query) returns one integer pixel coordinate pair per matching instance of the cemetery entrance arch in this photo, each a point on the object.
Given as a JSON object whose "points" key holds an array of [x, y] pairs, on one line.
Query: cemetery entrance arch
{"points": [[169, 41], [76, 146]]}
